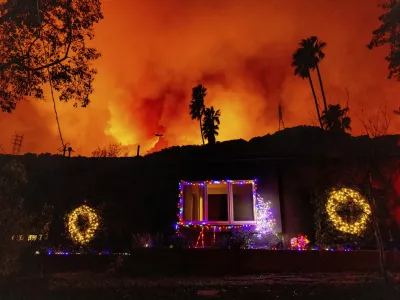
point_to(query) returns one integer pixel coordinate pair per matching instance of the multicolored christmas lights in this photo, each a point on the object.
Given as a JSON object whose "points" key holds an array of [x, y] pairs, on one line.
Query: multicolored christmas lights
{"points": [[265, 222], [299, 243], [347, 196], [264, 218]]}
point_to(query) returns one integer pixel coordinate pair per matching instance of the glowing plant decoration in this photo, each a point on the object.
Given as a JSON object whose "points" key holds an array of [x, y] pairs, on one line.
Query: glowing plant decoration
{"points": [[264, 219], [342, 196], [82, 236], [299, 243]]}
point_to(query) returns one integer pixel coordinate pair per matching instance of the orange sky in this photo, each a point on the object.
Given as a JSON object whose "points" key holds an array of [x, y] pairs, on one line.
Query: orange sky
{"points": [[154, 52]]}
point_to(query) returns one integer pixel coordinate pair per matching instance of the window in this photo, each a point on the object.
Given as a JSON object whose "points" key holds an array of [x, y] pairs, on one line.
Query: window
{"points": [[217, 202], [243, 202], [193, 203], [226, 202]]}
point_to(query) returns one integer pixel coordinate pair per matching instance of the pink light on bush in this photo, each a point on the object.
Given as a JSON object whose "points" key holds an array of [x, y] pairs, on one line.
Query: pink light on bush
{"points": [[299, 243]]}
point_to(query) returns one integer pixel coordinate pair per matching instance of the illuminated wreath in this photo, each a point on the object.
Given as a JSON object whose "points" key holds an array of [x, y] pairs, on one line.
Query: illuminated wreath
{"points": [[78, 235], [338, 198]]}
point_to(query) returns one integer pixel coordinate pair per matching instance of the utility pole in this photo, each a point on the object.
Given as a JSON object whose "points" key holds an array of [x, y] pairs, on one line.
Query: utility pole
{"points": [[17, 144], [70, 150], [63, 149], [66, 148], [280, 114], [138, 151]]}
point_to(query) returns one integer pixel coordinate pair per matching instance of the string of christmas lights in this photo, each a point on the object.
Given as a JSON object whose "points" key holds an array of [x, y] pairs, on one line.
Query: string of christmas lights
{"points": [[346, 196], [78, 235], [299, 243], [29, 238], [203, 183], [217, 228], [264, 218], [265, 221]]}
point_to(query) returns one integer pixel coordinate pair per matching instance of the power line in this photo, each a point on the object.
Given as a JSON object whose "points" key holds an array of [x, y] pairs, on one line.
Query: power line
{"points": [[49, 76]]}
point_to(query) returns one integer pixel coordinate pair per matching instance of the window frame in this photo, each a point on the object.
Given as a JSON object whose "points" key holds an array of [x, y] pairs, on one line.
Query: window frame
{"points": [[231, 220]]}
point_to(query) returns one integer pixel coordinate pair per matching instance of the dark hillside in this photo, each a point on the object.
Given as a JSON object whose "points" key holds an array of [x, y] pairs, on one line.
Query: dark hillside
{"points": [[301, 141]]}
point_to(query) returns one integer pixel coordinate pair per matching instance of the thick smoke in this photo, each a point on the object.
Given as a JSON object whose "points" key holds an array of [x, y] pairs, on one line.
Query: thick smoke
{"points": [[155, 51]]}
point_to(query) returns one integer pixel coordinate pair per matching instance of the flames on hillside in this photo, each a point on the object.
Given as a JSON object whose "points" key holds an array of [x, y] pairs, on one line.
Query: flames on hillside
{"points": [[154, 52]]}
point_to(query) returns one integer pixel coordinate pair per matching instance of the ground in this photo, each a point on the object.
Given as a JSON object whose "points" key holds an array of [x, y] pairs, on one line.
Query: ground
{"points": [[77, 286]]}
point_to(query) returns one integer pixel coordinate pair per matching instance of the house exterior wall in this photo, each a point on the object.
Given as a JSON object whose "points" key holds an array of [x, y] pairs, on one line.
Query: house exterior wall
{"points": [[141, 194]]}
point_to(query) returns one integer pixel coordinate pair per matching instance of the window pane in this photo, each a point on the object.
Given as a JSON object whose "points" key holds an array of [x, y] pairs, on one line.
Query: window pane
{"points": [[217, 202], [243, 208], [193, 197]]}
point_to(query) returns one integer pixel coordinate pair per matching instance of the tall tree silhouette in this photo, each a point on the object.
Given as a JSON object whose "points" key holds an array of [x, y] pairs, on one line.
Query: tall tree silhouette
{"points": [[211, 124], [316, 47], [197, 105], [389, 33], [314, 54], [335, 119], [302, 66]]}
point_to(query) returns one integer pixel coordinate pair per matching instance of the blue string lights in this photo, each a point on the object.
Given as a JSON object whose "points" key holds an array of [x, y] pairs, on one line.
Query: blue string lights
{"points": [[265, 222]]}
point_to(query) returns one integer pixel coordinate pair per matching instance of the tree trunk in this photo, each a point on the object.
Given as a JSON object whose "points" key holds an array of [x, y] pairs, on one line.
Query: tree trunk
{"points": [[281, 202], [377, 231], [316, 101], [322, 89], [201, 132], [211, 140]]}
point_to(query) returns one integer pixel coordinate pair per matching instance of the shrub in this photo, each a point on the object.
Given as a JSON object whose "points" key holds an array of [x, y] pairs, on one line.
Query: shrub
{"points": [[13, 219], [141, 240]]}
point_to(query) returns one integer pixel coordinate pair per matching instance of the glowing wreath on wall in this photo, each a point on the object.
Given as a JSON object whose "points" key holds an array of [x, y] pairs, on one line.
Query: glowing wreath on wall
{"points": [[348, 197], [82, 224]]}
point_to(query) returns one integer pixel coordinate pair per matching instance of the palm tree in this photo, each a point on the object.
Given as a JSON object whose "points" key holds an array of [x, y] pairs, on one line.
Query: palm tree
{"points": [[302, 66], [316, 47], [335, 119], [211, 124], [197, 105], [313, 49]]}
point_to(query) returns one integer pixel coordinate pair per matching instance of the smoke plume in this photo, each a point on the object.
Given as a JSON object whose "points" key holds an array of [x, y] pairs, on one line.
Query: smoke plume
{"points": [[154, 52]]}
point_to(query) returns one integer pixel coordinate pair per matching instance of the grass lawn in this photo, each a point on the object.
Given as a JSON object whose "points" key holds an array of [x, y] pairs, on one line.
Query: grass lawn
{"points": [[76, 286]]}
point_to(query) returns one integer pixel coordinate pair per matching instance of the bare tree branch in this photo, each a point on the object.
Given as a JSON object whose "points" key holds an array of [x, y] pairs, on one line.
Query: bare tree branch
{"points": [[112, 150], [377, 125]]}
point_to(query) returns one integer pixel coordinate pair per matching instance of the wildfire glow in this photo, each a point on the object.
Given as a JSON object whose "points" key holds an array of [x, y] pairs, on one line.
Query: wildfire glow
{"points": [[154, 52]]}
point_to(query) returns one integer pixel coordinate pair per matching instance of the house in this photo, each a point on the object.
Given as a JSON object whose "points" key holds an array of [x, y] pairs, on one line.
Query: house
{"points": [[220, 206]]}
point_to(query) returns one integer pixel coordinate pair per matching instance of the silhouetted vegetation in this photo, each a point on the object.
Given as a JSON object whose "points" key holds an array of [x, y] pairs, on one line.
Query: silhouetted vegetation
{"points": [[207, 116], [197, 105], [336, 120], [112, 150], [211, 124], [389, 33], [13, 219], [16, 218], [47, 42], [377, 125], [305, 59]]}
